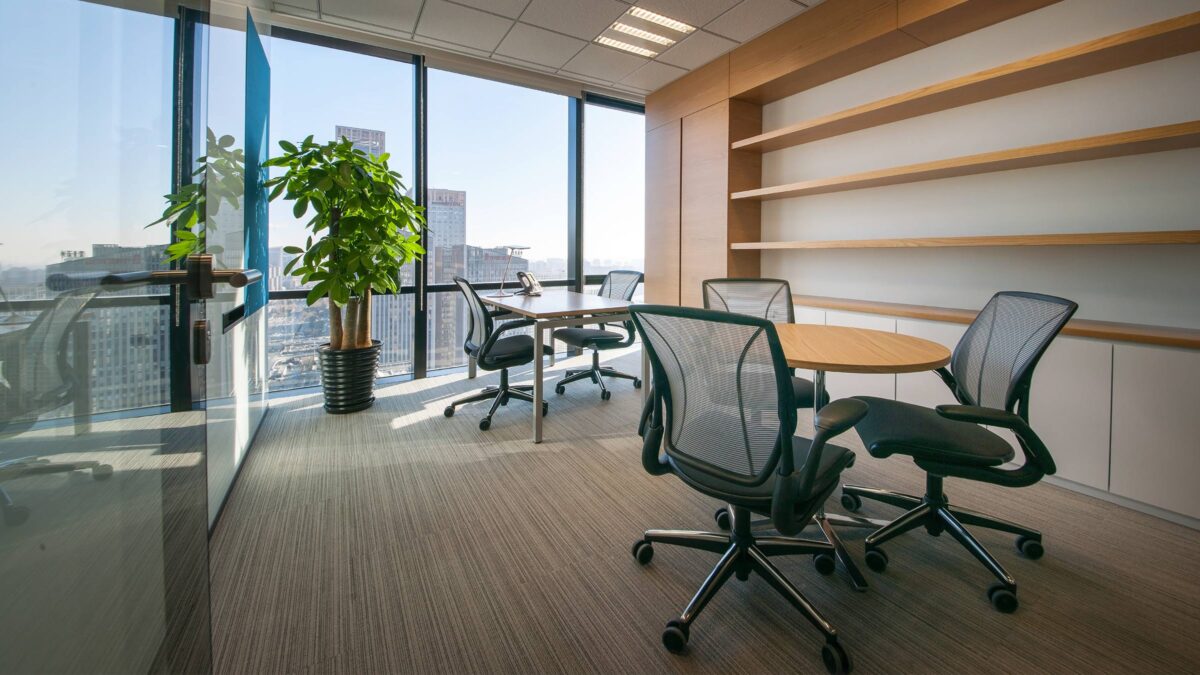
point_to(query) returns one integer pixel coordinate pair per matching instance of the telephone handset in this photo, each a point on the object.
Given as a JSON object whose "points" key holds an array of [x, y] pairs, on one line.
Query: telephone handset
{"points": [[529, 283]]}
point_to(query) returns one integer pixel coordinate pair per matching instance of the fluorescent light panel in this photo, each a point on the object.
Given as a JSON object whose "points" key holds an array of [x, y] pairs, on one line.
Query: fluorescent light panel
{"points": [[643, 34], [625, 46], [661, 20]]}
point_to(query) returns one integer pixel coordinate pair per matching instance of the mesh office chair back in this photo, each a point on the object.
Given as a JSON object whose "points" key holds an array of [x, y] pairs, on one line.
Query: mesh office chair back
{"points": [[993, 362], [620, 284], [725, 388], [481, 322], [770, 299]]}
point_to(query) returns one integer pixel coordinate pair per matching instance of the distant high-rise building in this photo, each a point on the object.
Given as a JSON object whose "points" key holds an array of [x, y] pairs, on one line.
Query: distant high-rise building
{"points": [[370, 141]]}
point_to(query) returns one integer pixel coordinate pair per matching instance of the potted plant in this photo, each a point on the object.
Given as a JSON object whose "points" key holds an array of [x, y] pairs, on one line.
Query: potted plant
{"points": [[363, 230]]}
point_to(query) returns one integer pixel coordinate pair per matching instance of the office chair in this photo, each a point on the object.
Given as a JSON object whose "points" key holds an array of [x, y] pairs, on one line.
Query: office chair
{"points": [[37, 378], [990, 374], [619, 284], [493, 352], [726, 391]]}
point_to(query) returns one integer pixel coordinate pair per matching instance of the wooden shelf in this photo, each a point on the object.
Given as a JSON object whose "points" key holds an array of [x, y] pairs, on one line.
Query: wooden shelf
{"points": [[1141, 141], [1156, 41], [1071, 239], [1167, 336]]}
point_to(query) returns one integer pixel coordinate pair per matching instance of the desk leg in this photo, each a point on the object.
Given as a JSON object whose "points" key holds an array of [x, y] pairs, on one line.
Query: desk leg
{"points": [[551, 337], [843, 556], [470, 367], [538, 335]]}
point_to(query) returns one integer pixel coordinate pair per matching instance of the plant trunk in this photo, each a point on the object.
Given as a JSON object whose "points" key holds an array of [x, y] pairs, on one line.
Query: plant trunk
{"points": [[351, 328], [362, 332], [335, 325]]}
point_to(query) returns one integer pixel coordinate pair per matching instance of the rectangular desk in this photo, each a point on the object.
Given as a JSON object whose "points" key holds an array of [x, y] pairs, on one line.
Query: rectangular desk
{"points": [[556, 309]]}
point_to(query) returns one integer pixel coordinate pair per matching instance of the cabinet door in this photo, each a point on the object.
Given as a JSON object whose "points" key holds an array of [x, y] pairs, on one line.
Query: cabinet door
{"points": [[1070, 406], [704, 197], [1156, 428], [842, 385], [927, 388]]}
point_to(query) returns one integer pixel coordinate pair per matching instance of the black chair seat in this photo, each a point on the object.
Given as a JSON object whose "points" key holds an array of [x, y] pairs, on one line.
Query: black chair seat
{"points": [[515, 350], [834, 458], [896, 428], [587, 337], [802, 389]]}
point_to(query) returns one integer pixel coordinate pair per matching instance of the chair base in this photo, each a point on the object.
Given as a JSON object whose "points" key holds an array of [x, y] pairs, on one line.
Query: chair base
{"points": [[934, 513], [501, 394], [744, 553], [14, 514], [596, 374]]}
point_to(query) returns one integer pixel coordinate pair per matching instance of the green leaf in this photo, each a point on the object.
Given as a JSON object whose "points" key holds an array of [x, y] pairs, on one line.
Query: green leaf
{"points": [[289, 147], [300, 207]]}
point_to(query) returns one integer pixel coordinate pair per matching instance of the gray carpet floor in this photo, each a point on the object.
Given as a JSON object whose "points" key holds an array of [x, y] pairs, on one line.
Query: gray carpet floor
{"points": [[396, 540]]}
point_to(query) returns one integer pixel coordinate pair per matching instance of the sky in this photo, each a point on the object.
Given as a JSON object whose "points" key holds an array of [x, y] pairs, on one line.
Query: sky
{"points": [[92, 135]]}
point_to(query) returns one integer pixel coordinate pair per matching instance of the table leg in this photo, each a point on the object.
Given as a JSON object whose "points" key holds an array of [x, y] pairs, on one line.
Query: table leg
{"points": [[538, 333], [470, 367], [552, 355], [843, 556]]}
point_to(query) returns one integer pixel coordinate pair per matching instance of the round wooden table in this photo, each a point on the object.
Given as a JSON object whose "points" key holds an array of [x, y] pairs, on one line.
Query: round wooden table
{"points": [[853, 350]]}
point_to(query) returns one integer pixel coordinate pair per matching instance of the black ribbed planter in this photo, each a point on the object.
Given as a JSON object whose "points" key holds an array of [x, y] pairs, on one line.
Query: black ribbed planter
{"points": [[348, 377]]}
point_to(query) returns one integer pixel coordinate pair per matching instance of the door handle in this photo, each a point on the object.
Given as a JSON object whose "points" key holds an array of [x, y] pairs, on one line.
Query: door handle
{"points": [[198, 275]]}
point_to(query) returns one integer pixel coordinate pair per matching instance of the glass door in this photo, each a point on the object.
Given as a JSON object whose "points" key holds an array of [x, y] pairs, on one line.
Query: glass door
{"points": [[104, 534]]}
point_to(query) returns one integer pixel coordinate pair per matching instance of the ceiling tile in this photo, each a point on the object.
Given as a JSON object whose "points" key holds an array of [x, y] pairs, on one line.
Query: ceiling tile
{"points": [[398, 15], [582, 18], [652, 76], [696, 50], [603, 63], [529, 43], [304, 8], [753, 17], [510, 8], [523, 64], [695, 12], [460, 25]]}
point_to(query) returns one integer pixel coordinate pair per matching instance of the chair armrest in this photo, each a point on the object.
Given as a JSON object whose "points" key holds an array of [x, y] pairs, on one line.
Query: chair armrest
{"points": [[839, 416], [504, 328], [497, 313], [976, 414]]}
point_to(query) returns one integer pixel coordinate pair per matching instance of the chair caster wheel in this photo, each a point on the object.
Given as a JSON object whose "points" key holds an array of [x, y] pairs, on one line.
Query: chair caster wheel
{"points": [[851, 502], [824, 563], [1003, 598], [877, 560], [637, 383], [102, 472], [837, 661], [504, 401], [560, 390], [485, 423], [605, 395], [1030, 548], [449, 411], [721, 516], [15, 515], [675, 636], [643, 552], [545, 408]]}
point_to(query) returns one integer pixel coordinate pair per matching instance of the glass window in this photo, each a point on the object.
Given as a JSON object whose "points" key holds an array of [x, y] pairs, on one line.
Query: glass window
{"points": [[331, 93], [497, 178], [614, 168]]}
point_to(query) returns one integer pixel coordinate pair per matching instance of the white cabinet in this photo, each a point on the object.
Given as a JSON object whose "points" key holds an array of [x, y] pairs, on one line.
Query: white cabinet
{"points": [[927, 388], [841, 385], [1069, 408], [1156, 427]]}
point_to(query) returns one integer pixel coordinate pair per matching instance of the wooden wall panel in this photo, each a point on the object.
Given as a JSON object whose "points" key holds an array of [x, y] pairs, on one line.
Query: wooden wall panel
{"points": [[695, 91], [934, 21], [827, 42], [662, 214], [704, 197]]}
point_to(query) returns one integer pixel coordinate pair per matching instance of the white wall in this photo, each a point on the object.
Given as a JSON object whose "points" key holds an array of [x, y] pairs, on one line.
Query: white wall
{"points": [[1153, 284]]}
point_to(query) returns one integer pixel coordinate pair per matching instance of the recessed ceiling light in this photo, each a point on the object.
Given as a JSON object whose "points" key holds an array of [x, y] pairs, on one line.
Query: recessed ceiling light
{"points": [[660, 20], [643, 34], [617, 44]]}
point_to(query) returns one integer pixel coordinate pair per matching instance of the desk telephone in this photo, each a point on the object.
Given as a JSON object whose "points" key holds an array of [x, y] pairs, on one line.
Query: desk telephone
{"points": [[529, 284]]}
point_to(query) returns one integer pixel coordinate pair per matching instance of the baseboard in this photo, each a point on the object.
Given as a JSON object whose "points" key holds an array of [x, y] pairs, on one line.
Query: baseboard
{"points": [[1177, 518]]}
